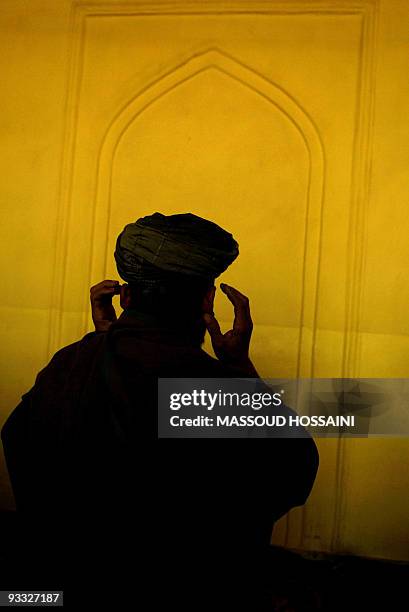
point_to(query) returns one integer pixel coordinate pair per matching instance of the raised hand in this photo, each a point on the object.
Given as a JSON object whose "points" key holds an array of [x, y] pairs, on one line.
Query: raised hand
{"points": [[103, 312], [233, 347]]}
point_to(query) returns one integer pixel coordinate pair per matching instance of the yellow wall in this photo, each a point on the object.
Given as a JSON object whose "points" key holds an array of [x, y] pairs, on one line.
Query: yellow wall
{"points": [[286, 124]]}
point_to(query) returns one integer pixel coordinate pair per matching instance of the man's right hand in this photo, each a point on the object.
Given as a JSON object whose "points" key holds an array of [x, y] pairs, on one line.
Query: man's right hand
{"points": [[233, 347]]}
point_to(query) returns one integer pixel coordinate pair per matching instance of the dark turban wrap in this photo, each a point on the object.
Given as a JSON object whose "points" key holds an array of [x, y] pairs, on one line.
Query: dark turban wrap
{"points": [[158, 245]]}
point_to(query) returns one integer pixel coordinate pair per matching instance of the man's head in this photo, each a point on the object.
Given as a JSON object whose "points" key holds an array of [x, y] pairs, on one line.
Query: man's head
{"points": [[170, 264]]}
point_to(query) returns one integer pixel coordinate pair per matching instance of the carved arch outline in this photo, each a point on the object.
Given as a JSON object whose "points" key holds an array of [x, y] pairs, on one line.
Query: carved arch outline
{"points": [[216, 59]]}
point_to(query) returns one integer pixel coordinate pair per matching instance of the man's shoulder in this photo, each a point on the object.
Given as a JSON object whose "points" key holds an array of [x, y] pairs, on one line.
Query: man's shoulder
{"points": [[219, 369], [65, 357], [90, 339]]}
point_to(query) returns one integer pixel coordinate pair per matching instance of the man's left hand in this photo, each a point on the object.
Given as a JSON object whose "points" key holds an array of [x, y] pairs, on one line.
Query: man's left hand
{"points": [[103, 312]]}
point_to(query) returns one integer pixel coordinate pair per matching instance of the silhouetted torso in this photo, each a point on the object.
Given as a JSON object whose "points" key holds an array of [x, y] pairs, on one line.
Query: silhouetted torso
{"points": [[84, 460]]}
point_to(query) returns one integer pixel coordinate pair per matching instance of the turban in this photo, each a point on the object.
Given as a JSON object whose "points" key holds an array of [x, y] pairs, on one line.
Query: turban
{"points": [[158, 245]]}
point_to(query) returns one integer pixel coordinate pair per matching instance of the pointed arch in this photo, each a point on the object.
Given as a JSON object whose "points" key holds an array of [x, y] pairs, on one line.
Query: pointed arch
{"points": [[280, 100]]}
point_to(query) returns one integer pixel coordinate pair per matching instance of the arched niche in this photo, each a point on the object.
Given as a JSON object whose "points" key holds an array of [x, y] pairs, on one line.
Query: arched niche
{"points": [[215, 138]]}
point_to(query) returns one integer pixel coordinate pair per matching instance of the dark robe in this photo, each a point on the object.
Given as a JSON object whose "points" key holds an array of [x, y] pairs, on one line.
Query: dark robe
{"points": [[95, 490]]}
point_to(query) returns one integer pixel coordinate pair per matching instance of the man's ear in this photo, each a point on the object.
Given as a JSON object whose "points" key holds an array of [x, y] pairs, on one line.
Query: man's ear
{"points": [[207, 305], [125, 296]]}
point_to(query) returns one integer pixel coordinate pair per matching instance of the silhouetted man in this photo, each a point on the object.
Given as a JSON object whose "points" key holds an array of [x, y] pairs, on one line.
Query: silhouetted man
{"points": [[193, 516]]}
